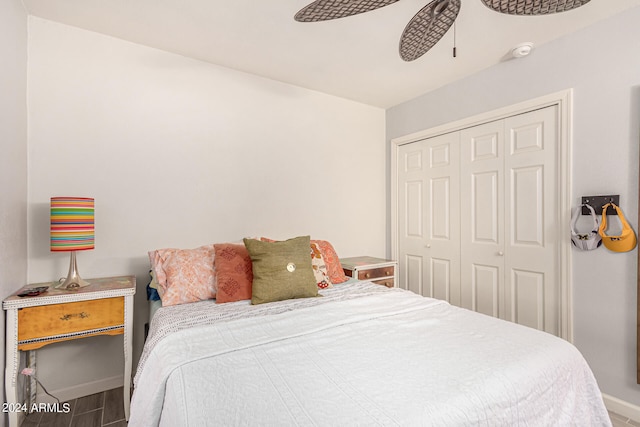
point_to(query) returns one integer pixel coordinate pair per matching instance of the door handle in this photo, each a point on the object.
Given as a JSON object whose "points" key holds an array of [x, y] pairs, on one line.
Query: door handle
{"points": [[500, 253]]}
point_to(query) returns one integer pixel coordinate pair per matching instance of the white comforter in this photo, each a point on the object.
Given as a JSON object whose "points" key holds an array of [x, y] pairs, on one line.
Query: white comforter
{"points": [[386, 358]]}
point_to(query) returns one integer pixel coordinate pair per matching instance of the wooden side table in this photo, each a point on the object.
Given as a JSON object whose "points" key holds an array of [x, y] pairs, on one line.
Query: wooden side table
{"points": [[378, 270], [104, 307]]}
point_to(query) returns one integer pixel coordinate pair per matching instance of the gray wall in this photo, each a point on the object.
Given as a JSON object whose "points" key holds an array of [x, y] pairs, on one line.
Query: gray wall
{"points": [[602, 65], [13, 155]]}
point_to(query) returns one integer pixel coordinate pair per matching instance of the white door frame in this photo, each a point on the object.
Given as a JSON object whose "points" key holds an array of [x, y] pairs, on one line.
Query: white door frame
{"points": [[563, 100]]}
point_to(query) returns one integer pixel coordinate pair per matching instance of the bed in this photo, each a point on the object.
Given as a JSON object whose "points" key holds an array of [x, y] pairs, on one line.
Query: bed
{"points": [[361, 354], [264, 332]]}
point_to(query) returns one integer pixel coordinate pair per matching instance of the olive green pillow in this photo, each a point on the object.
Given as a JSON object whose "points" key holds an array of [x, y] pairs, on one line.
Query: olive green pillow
{"points": [[281, 270]]}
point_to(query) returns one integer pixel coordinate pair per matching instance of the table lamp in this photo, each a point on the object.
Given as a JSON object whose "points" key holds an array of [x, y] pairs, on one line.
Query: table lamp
{"points": [[72, 229]]}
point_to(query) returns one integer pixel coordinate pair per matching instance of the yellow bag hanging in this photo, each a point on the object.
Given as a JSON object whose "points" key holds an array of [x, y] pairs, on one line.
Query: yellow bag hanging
{"points": [[622, 243]]}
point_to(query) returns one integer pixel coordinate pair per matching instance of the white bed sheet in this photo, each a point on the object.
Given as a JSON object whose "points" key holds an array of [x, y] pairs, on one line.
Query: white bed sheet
{"points": [[384, 358], [154, 305]]}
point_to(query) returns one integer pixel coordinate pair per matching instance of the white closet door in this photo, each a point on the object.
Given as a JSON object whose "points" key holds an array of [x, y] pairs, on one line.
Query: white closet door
{"points": [[532, 291], [478, 213], [412, 164], [429, 217], [482, 227], [509, 251]]}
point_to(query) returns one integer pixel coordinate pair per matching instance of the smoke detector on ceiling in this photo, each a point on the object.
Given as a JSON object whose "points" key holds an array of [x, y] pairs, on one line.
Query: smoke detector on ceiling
{"points": [[522, 50]]}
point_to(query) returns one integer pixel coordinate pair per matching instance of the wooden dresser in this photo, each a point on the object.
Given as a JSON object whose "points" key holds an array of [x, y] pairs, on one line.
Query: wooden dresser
{"points": [[378, 270], [104, 307]]}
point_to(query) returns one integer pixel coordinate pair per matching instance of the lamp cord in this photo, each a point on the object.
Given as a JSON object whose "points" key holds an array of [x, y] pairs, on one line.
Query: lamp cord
{"points": [[29, 372]]}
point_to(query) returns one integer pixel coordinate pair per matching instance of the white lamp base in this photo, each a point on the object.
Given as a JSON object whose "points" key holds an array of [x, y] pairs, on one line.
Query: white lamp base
{"points": [[73, 280]]}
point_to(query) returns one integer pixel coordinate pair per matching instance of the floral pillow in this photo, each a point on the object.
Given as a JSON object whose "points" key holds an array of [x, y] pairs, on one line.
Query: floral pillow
{"points": [[319, 267], [184, 275], [234, 274], [330, 257]]}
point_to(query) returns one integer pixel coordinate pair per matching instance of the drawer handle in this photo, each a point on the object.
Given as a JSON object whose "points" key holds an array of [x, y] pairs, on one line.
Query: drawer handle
{"points": [[81, 315], [387, 273], [367, 275]]}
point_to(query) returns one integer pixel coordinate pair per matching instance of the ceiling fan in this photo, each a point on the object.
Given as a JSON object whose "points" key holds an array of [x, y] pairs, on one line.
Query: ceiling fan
{"points": [[428, 26]]}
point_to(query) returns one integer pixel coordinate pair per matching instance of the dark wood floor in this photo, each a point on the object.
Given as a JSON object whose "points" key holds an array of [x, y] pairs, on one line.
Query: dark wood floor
{"points": [[96, 410]]}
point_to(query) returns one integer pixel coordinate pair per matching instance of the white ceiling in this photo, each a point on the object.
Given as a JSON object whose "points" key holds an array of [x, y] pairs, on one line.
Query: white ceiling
{"points": [[355, 57]]}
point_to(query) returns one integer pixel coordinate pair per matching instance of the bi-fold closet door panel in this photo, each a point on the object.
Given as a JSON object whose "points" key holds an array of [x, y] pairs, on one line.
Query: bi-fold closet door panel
{"points": [[477, 215], [532, 288], [482, 228], [429, 217], [509, 247]]}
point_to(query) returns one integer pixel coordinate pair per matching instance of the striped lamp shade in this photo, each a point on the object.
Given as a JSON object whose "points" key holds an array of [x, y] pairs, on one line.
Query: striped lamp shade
{"points": [[72, 224]]}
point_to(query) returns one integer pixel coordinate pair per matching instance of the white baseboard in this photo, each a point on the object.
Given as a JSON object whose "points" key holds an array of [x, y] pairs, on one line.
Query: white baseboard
{"points": [[80, 390], [622, 407]]}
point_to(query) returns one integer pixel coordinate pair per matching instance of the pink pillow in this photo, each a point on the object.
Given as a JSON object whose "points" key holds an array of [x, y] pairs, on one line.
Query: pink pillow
{"points": [[330, 257], [234, 273], [184, 275]]}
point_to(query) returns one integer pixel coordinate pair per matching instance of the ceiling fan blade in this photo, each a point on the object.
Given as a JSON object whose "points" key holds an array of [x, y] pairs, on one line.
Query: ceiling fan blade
{"points": [[427, 27], [533, 7], [324, 10]]}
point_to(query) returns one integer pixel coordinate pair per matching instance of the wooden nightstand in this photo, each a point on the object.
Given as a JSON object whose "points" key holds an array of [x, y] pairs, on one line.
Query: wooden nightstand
{"points": [[104, 307], [377, 270]]}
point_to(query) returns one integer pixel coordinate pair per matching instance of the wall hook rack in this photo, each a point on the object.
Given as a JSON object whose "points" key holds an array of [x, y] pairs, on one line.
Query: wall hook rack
{"points": [[597, 202]]}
